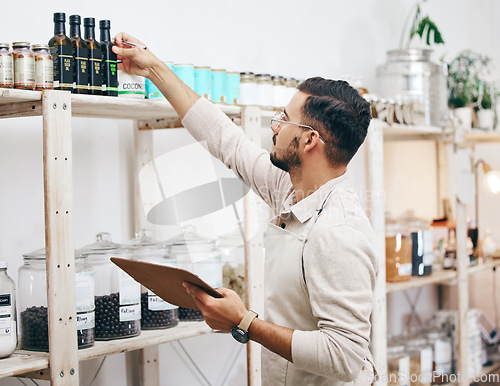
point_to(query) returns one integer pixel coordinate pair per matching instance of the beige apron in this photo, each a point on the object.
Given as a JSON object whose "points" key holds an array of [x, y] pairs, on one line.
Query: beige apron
{"points": [[287, 304]]}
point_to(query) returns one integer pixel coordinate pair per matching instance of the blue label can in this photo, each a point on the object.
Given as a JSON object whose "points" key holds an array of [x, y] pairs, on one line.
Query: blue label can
{"points": [[233, 88], [219, 86], [152, 91], [203, 82], [185, 72]]}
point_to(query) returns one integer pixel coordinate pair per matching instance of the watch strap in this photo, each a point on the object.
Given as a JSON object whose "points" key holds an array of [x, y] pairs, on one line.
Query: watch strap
{"points": [[247, 320]]}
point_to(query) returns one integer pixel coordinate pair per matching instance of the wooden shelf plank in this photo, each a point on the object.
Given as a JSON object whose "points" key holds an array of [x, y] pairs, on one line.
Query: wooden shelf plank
{"points": [[23, 361], [482, 136], [398, 132], [482, 267], [416, 282]]}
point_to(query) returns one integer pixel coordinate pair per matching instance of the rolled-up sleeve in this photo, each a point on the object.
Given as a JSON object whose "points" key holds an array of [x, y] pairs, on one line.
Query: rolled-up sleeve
{"points": [[340, 277]]}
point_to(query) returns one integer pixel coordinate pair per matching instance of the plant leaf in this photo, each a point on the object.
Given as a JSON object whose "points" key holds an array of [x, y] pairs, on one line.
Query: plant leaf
{"points": [[428, 26]]}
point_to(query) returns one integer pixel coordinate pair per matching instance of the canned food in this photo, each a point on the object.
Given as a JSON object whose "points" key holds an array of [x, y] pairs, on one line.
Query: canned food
{"points": [[248, 89], [219, 86], [185, 72], [203, 82], [233, 87], [264, 90], [131, 86]]}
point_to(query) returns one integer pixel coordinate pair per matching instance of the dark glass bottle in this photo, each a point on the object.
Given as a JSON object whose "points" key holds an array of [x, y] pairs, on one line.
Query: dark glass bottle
{"points": [[80, 64], [109, 61], [94, 57], [61, 51]]}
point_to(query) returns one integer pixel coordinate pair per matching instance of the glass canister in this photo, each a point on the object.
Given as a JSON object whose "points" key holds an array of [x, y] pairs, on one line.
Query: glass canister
{"points": [[248, 89], [34, 331], [233, 87], [421, 235], [279, 92], [44, 67], [117, 295], [291, 88], [8, 325], [265, 87], [397, 251], [232, 247], [420, 353], [398, 366], [6, 67], [201, 256], [442, 350], [24, 66], [156, 313]]}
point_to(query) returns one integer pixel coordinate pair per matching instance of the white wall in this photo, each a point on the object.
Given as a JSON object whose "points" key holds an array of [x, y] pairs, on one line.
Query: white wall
{"points": [[331, 38]]}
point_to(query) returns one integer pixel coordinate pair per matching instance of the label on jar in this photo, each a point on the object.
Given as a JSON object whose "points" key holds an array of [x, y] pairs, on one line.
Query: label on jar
{"points": [[130, 290], [6, 71], [5, 315], [426, 365], [24, 72], [85, 321], [404, 269], [155, 303], [131, 85], [85, 285], [404, 371], [62, 55], [130, 313], [442, 357], [44, 74]]}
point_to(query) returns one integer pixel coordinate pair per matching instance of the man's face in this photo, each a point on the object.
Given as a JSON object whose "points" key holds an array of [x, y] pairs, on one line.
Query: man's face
{"points": [[285, 154]]}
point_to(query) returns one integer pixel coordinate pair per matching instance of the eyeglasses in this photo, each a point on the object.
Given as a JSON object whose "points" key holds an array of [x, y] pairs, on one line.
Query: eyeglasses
{"points": [[278, 119]]}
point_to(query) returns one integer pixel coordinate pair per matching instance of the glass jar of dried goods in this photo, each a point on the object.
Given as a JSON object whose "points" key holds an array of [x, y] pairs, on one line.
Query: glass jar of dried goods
{"points": [[44, 67], [397, 252], [6, 67], [24, 66]]}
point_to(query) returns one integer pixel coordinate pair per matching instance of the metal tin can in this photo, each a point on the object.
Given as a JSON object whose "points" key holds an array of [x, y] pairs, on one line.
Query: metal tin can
{"points": [[219, 86], [152, 91], [203, 82], [185, 72], [233, 88], [24, 66], [264, 90], [6, 67], [248, 89], [44, 67], [131, 86]]}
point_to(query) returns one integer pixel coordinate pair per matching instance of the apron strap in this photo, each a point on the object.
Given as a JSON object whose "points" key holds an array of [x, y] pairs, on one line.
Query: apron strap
{"points": [[308, 229]]}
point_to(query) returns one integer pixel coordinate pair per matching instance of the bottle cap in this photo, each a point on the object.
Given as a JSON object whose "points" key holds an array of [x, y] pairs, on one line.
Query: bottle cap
{"points": [[104, 24], [59, 17], [75, 19], [3, 264], [89, 22]]}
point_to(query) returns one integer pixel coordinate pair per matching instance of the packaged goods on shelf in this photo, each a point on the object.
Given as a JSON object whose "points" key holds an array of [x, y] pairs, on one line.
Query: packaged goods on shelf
{"points": [[232, 249], [24, 66], [398, 365], [203, 81], [219, 86], [152, 91], [6, 67], [80, 56], [44, 67], [185, 72], [422, 244], [398, 249], [233, 87], [131, 86], [94, 56], [265, 86], [109, 61], [8, 316], [248, 89], [62, 54]]}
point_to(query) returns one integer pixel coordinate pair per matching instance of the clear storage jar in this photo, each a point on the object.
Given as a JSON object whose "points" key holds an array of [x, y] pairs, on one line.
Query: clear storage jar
{"points": [[398, 366], [265, 87], [44, 67], [156, 313], [24, 66], [421, 235], [6, 67], [232, 248], [8, 325], [117, 295], [200, 256], [421, 361], [34, 333], [248, 89], [397, 252], [442, 349]]}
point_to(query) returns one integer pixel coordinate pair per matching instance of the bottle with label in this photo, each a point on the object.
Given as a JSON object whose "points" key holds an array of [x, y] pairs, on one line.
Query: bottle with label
{"points": [[62, 55], [8, 326], [450, 254], [94, 57], [44, 67], [109, 61], [80, 64], [6, 67], [24, 66]]}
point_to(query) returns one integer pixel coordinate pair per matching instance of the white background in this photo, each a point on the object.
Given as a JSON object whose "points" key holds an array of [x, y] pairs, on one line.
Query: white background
{"points": [[330, 38]]}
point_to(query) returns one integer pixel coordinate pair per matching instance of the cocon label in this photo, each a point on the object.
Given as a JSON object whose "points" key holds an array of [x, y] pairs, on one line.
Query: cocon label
{"points": [[5, 315]]}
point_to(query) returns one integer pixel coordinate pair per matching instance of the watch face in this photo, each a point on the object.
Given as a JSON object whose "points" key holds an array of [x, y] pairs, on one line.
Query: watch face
{"points": [[240, 335]]}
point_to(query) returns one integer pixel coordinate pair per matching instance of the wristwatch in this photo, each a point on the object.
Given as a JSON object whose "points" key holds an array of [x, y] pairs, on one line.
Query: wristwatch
{"points": [[240, 332]]}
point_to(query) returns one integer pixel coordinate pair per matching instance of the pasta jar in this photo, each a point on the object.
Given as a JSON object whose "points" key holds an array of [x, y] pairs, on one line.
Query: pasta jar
{"points": [[200, 256], [397, 252], [398, 366], [117, 295], [232, 247], [33, 302], [420, 352], [248, 89], [8, 326], [24, 66], [44, 67], [6, 67], [264, 90], [156, 313]]}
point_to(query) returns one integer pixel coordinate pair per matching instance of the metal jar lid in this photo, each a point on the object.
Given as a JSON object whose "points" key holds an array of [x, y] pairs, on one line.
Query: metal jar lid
{"points": [[4, 45], [40, 47], [20, 44]]}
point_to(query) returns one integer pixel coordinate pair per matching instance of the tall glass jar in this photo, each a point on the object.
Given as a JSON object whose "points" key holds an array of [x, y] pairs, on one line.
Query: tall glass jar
{"points": [[248, 89], [265, 87], [117, 295], [232, 247], [201, 256], [8, 325], [397, 251], [398, 366], [422, 244], [442, 347], [6, 67], [156, 313], [420, 353], [34, 331]]}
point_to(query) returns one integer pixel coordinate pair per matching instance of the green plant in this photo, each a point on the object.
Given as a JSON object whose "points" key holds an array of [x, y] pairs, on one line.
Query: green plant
{"points": [[421, 25]]}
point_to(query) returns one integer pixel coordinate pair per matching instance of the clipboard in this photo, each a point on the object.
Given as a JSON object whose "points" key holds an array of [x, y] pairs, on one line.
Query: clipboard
{"points": [[165, 281]]}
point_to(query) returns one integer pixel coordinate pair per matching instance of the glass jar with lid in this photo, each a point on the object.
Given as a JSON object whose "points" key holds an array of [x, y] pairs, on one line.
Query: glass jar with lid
{"points": [[279, 92], [232, 248], [44, 67], [117, 295], [421, 361], [265, 86], [34, 331], [421, 235], [200, 256], [248, 89], [6, 67], [398, 365], [156, 313], [397, 251], [442, 351], [24, 66], [8, 325]]}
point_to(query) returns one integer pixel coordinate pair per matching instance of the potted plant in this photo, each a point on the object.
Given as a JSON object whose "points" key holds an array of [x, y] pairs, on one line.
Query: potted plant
{"points": [[485, 108], [421, 25]]}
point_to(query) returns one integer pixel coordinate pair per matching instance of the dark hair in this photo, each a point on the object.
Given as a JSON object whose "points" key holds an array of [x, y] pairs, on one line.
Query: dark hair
{"points": [[339, 113]]}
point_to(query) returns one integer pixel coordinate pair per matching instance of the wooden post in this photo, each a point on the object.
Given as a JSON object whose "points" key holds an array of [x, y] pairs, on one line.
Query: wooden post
{"points": [[58, 192], [254, 250], [376, 208]]}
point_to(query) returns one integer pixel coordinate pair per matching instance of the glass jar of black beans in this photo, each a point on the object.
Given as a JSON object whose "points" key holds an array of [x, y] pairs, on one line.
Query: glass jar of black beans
{"points": [[117, 295], [156, 313], [33, 302]]}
